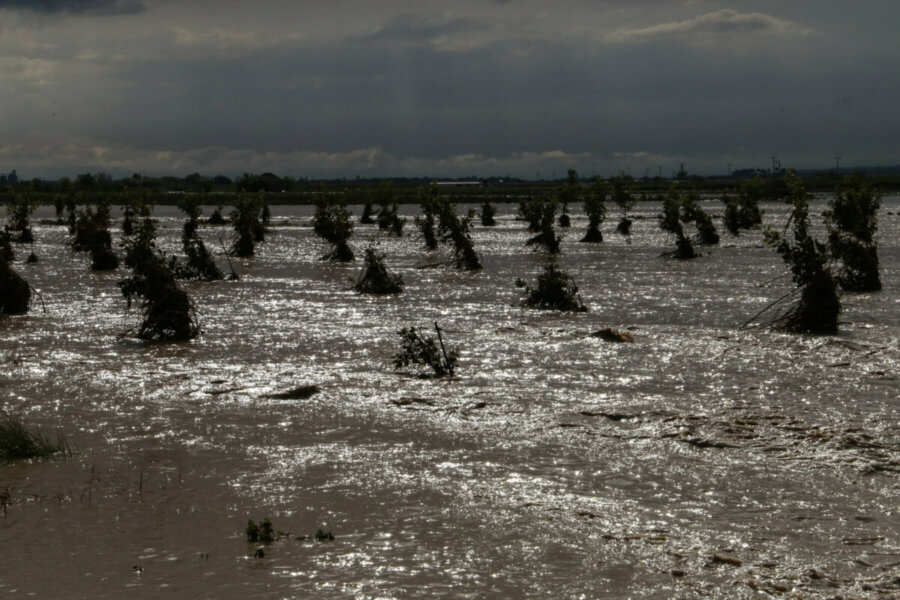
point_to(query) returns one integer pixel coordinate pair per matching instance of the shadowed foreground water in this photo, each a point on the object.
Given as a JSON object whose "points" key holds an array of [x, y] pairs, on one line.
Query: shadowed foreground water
{"points": [[701, 461]]}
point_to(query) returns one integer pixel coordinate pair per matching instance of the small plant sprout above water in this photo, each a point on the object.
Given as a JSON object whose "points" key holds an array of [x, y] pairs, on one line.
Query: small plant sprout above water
{"points": [[595, 209], [852, 220], [15, 293], [455, 229], [818, 307], [547, 236], [424, 351], [375, 278], [555, 290], [334, 224], [263, 532], [17, 442]]}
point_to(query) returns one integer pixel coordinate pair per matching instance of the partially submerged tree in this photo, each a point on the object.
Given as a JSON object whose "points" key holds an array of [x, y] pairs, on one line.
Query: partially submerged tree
{"points": [[555, 290], [595, 208], [199, 263], [248, 226], [388, 217], [168, 313], [487, 214], [742, 212], [706, 230], [817, 309], [216, 217], [19, 208], [420, 350], [547, 236], [455, 229], [92, 235], [367, 213], [672, 220], [852, 220], [334, 223], [431, 205], [375, 278], [625, 200], [530, 212], [15, 293], [569, 192]]}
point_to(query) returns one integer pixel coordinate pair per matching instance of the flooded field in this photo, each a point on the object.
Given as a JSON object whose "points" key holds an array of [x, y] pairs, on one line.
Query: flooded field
{"points": [[701, 461]]}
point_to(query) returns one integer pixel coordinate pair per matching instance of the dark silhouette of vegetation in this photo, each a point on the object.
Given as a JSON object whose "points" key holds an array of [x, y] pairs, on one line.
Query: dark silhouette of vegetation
{"points": [[17, 442], [530, 211], [168, 313], [7, 253], [555, 290], [19, 208], [199, 264], [672, 220], [817, 309], [375, 278], [420, 350], [742, 212], [454, 229], [247, 223], [852, 220], [323, 536], [216, 217], [595, 209], [334, 223], [706, 231], [487, 214], [367, 218], [624, 198], [264, 532], [388, 218], [569, 192], [547, 236], [431, 205], [15, 293], [92, 235]]}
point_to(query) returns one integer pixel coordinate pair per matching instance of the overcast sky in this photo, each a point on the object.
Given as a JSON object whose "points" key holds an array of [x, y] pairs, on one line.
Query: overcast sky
{"points": [[312, 88]]}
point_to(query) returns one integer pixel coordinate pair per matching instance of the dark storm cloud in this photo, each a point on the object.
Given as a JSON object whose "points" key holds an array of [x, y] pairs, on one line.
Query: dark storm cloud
{"points": [[89, 7]]}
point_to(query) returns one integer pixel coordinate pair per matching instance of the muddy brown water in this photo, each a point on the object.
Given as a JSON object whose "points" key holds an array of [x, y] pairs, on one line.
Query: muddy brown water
{"points": [[701, 461]]}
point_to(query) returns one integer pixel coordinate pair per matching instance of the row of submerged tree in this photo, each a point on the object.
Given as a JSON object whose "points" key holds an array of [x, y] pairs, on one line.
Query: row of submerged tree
{"points": [[847, 258]]}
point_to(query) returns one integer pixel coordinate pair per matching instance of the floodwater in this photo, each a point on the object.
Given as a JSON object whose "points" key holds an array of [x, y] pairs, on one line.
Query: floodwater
{"points": [[702, 461]]}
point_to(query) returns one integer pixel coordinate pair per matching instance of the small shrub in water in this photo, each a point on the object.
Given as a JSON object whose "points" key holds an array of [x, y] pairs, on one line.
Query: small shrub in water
{"points": [[430, 203], [15, 293], [743, 211], [216, 217], [264, 532], [487, 214], [17, 442], [547, 236], [323, 536], [199, 264], [852, 220], [595, 209], [248, 226], [334, 223], [569, 192], [419, 350], [375, 278], [624, 199], [530, 210], [388, 219], [555, 290], [455, 229]]}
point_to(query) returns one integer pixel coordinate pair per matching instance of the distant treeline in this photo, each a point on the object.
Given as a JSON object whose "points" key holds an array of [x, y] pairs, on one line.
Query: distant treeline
{"points": [[220, 189]]}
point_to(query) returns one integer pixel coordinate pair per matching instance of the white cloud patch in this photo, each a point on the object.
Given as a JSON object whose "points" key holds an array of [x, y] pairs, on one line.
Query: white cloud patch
{"points": [[722, 24]]}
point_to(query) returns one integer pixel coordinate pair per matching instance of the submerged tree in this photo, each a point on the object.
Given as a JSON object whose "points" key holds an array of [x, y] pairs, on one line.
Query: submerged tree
{"points": [[455, 229], [248, 226], [672, 220], [555, 290], [530, 212], [216, 217], [742, 212], [817, 309], [625, 200], [706, 231], [487, 214], [334, 223], [420, 350], [375, 278], [367, 217], [569, 192], [852, 220], [199, 263], [547, 236], [15, 293], [168, 311], [91, 234], [19, 208], [431, 205], [595, 208], [388, 217]]}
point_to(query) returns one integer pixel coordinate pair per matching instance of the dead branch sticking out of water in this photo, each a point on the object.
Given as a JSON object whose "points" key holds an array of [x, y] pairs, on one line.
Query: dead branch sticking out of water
{"points": [[375, 278]]}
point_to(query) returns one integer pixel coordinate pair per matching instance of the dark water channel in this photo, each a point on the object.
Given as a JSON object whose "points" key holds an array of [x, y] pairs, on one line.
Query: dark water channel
{"points": [[701, 461]]}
